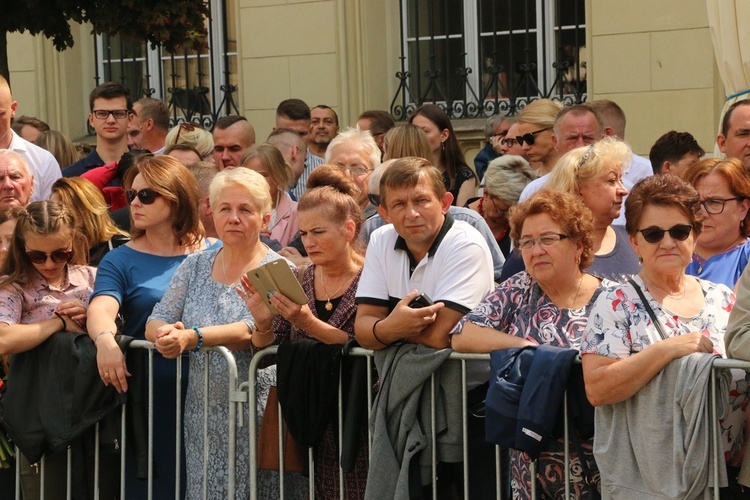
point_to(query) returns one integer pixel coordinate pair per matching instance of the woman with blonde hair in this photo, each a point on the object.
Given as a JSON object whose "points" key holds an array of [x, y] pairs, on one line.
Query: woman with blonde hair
{"points": [[91, 214], [60, 145], [268, 162], [194, 135], [535, 123], [407, 140]]}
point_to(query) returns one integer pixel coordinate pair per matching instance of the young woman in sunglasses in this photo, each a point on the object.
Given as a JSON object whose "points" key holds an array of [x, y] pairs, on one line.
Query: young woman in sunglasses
{"points": [[165, 228], [637, 328], [44, 290], [535, 123]]}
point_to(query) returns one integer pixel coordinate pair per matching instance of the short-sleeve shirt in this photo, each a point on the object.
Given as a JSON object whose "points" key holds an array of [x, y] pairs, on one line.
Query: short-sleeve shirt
{"points": [[457, 270], [36, 301], [725, 268]]}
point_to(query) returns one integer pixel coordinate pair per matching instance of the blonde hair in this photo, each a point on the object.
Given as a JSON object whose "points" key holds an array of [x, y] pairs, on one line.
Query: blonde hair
{"points": [[250, 180], [580, 165], [272, 159], [200, 139], [541, 112], [407, 140], [60, 145]]}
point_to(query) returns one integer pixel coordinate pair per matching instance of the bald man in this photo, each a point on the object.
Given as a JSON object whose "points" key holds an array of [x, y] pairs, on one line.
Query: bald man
{"points": [[233, 136], [42, 166]]}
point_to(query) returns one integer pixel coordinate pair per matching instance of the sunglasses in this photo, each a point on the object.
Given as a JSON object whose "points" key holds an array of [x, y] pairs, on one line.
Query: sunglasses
{"points": [[183, 126], [678, 232], [530, 137], [147, 195], [58, 256]]}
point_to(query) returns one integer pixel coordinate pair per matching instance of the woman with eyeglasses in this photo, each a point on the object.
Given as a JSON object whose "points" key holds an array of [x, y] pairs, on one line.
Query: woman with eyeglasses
{"points": [[268, 162], [547, 304], [165, 228], [635, 329], [503, 183], [535, 123], [44, 290], [458, 177], [722, 249]]}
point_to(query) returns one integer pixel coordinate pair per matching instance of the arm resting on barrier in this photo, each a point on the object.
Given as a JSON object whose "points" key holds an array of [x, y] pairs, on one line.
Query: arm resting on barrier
{"points": [[480, 339], [610, 380], [102, 312], [20, 338], [171, 339]]}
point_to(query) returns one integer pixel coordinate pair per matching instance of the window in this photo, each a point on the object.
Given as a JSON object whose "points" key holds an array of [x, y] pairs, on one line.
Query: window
{"points": [[482, 57], [199, 86]]}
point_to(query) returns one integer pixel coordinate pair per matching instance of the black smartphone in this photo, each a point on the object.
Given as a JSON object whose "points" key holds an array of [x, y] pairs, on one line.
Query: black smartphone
{"points": [[421, 300]]}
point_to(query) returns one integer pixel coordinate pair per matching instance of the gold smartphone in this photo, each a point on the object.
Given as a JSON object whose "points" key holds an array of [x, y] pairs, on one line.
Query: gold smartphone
{"points": [[277, 276]]}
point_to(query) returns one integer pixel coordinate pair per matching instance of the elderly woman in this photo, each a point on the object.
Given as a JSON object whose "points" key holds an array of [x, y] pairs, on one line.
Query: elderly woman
{"points": [[722, 249], [91, 213], [131, 279], [595, 174], [201, 308], [637, 328], [503, 184], [553, 232], [330, 221], [534, 125], [268, 162], [355, 152], [458, 177]]}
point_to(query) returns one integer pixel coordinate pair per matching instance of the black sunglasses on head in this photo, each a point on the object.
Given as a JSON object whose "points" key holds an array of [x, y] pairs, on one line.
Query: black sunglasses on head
{"points": [[146, 195], [530, 137], [678, 232], [58, 256]]}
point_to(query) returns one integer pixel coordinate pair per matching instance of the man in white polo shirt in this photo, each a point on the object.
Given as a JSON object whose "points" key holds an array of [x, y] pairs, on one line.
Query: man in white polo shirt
{"points": [[423, 250]]}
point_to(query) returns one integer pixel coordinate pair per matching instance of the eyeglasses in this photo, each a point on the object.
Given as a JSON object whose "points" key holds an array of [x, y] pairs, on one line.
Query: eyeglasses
{"points": [[355, 170], [374, 199], [678, 232], [58, 256], [716, 206], [500, 213], [183, 126], [545, 240], [508, 141], [530, 137], [103, 114], [147, 195]]}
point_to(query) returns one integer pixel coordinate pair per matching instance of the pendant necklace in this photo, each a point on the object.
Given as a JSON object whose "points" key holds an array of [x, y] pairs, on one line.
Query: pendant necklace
{"points": [[328, 305]]}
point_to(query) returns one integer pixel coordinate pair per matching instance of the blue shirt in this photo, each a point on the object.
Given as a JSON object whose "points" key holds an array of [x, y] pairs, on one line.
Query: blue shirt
{"points": [[723, 268]]}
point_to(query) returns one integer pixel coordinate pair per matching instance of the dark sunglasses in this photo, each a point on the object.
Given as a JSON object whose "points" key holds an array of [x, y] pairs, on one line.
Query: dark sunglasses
{"points": [[678, 232], [58, 256], [530, 137], [147, 195]]}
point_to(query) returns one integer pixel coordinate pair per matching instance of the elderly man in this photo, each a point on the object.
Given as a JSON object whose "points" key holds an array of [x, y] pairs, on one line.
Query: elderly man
{"points": [[233, 136], [496, 128], [16, 182], [356, 152], [40, 163], [734, 139]]}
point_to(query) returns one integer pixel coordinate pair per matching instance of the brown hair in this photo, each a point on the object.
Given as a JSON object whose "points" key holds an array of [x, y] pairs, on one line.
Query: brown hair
{"points": [[407, 140], [60, 145], [405, 173], [173, 182], [575, 219], [332, 195], [663, 190], [273, 160]]}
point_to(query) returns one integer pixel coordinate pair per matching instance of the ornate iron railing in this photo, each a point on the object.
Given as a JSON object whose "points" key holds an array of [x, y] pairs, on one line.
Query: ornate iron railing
{"points": [[478, 58]]}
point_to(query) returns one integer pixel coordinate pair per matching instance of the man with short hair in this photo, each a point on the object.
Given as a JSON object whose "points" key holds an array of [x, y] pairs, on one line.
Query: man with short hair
{"points": [[324, 126], [40, 163], [152, 117], [294, 150], [294, 114], [29, 127], [378, 123], [496, 126], [134, 134], [204, 172], [355, 152], [674, 153], [233, 136], [16, 181], [734, 139], [111, 112]]}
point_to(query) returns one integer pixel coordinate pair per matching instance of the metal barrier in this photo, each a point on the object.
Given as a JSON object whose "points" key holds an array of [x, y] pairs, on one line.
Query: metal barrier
{"points": [[227, 356]]}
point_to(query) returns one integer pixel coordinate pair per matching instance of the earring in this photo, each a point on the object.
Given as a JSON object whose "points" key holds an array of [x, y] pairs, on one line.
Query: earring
{"points": [[443, 145]]}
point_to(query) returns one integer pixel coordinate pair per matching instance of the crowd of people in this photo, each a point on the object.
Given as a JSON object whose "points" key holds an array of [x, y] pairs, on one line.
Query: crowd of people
{"points": [[559, 242]]}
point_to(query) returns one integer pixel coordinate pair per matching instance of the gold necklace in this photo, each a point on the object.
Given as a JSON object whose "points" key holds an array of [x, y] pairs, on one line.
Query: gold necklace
{"points": [[244, 269], [328, 305], [677, 296]]}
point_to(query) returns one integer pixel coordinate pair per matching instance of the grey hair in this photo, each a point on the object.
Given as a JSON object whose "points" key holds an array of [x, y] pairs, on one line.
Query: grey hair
{"points": [[491, 123], [507, 176], [363, 137]]}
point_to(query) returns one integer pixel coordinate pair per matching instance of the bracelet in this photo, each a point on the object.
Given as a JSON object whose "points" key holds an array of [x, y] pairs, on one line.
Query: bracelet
{"points": [[61, 319], [376, 335], [200, 339], [262, 332], [102, 333]]}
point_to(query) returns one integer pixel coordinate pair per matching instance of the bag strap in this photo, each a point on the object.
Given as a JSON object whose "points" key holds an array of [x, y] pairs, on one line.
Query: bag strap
{"points": [[650, 311]]}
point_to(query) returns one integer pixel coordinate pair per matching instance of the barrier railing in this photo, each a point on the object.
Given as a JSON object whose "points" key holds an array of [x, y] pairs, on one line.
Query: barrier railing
{"points": [[226, 355]]}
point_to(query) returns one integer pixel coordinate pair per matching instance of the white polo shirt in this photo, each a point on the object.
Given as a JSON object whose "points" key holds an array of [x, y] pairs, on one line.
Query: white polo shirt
{"points": [[42, 165], [457, 269]]}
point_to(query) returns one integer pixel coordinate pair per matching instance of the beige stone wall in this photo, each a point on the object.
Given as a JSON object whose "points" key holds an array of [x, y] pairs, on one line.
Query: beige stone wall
{"points": [[656, 60]]}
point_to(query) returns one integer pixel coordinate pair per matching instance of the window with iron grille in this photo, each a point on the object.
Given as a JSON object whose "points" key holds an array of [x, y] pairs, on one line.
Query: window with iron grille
{"points": [[199, 86], [477, 58]]}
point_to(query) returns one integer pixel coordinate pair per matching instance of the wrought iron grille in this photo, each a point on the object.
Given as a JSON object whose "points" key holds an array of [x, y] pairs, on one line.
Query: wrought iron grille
{"points": [[477, 58], [199, 87]]}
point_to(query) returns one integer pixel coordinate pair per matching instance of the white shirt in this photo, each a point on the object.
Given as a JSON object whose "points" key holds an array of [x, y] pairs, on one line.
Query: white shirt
{"points": [[42, 165]]}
